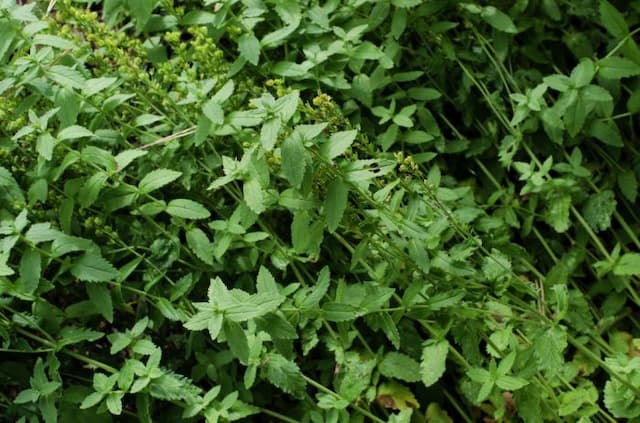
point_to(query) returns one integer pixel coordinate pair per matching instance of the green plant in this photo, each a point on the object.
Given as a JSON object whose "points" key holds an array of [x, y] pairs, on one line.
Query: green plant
{"points": [[395, 211]]}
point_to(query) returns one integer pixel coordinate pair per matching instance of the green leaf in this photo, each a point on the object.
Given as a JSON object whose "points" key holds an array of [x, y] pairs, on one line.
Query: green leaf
{"points": [[294, 160], [511, 383], [433, 361], [338, 312], [187, 209], [403, 117], [157, 179], [45, 145], [141, 12], [249, 48], [616, 67], [100, 298], [27, 396], [124, 158], [606, 132], [557, 213], [284, 374], [628, 184], [91, 267], [30, 269], [499, 20], [114, 402], [400, 366], [613, 20], [338, 144], [628, 265], [396, 396], [92, 399], [89, 192], [254, 195], [406, 3], [548, 346], [74, 132], [583, 73], [265, 283], [199, 243], [620, 400], [335, 204], [599, 209]]}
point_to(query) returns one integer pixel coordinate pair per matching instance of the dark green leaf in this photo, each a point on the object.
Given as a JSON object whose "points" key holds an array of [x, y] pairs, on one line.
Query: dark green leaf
{"points": [[92, 267]]}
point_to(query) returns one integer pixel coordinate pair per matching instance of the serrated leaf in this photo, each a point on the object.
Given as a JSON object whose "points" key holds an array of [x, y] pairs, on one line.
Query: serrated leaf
{"points": [[616, 67], [89, 192], [187, 209], [400, 366], [628, 265], [284, 374], [599, 209], [254, 195], [93, 268], [557, 213], [156, 179], [549, 346], [433, 361], [338, 312], [335, 204], [100, 298], [249, 48], [294, 160], [338, 143], [628, 184], [30, 269], [199, 243], [613, 20]]}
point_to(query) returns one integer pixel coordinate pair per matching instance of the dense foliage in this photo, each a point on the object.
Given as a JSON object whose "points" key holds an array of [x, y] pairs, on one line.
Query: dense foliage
{"points": [[302, 211]]}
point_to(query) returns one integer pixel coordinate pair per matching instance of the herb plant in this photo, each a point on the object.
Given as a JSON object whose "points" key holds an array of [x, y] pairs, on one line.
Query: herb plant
{"points": [[355, 210]]}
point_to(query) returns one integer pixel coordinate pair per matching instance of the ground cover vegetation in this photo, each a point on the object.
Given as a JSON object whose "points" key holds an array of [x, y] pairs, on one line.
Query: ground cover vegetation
{"points": [[340, 211]]}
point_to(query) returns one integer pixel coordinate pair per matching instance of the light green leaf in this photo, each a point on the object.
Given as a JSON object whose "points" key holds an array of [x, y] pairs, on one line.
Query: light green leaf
{"points": [[168, 310], [294, 160], [338, 143], [187, 209], [628, 265], [74, 132], [254, 195], [249, 48], [400, 366], [157, 179], [433, 361], [124, 158]]}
